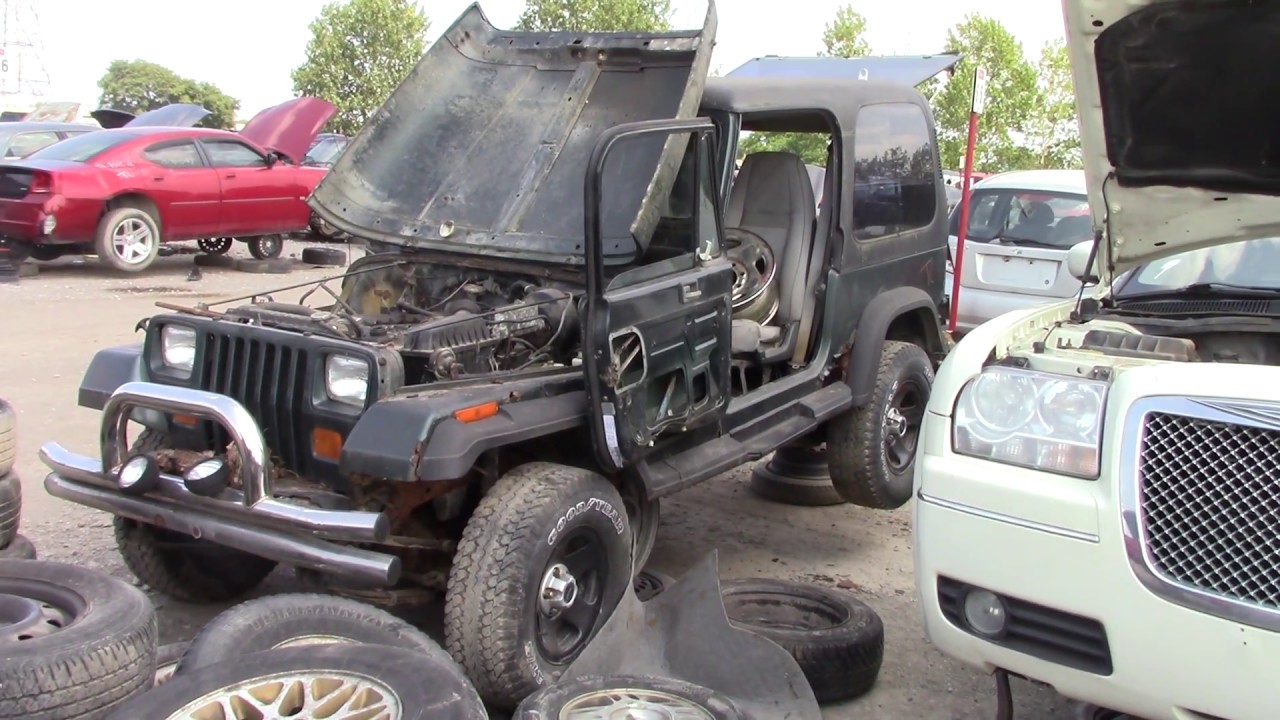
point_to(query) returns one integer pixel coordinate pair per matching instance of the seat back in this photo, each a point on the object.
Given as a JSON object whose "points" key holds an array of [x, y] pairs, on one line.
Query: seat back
{"points": [[772, 197]]}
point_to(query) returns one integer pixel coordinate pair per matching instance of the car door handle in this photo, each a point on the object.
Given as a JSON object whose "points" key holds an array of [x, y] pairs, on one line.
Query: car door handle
{"points": [[158, 178], [690, 291], [230, 175]]}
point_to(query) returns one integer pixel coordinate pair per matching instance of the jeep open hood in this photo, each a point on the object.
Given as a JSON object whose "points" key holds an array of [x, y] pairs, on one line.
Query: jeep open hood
{"points": [[484, 146], [910, 70], [1178, 105], [290, 127]]}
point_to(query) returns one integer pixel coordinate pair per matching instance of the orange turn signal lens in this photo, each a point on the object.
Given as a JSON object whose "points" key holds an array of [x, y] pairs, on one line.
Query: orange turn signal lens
{"points": [[476, 413], [186, 420], [326, 444]]}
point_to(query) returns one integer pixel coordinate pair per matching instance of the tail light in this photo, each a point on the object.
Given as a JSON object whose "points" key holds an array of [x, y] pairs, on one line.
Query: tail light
{"points": [[41, 182]]}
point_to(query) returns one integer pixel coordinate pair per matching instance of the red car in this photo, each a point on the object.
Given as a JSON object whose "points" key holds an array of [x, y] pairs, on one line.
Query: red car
{"points": [[120, 193]]}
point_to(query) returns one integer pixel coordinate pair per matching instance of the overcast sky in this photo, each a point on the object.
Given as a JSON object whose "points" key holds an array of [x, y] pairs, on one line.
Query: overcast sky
{"points": [[248, 47]]}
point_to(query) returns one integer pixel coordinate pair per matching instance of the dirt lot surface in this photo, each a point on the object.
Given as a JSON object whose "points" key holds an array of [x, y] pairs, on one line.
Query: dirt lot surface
{"points": [[53, 323]]}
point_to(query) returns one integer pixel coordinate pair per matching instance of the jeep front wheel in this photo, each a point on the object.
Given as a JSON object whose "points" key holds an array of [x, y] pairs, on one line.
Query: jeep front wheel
{"points": [[542, 563], [871, 450]]}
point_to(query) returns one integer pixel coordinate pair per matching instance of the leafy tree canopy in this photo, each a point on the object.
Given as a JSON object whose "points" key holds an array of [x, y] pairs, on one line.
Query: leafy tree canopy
{"points": [[596, 15], [137, 86]]}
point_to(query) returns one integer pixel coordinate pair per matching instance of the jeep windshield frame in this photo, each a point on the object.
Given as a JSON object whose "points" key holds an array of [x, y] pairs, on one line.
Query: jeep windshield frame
{"points": [[483, 148]]}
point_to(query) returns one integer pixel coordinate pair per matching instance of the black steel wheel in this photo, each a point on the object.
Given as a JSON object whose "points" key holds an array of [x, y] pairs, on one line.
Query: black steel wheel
{"points": [[542, 563], [214, 246], [625, 696], [871, 449], [74, 642], [266, 247]]}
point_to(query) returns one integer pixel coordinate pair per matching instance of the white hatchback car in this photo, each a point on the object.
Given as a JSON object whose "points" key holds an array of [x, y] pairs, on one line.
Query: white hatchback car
{"points": [[1021, 225]]}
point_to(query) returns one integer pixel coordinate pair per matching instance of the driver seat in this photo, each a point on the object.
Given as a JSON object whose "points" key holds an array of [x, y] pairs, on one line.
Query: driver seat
{"points": [[772, 197]]}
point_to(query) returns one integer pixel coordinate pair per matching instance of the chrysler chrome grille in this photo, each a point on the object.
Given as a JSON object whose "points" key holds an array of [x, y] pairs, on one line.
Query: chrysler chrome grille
{"points": [[1209, 502]]}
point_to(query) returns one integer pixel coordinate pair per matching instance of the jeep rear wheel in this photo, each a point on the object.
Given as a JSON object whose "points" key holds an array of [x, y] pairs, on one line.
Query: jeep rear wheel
{"points": [[541, 565], [871, 450]]}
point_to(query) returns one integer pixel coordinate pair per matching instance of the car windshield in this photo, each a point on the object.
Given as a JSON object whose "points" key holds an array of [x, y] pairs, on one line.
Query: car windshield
{"points": [[84, 147], [1244, 264], [1029, 217], [325, 152]]}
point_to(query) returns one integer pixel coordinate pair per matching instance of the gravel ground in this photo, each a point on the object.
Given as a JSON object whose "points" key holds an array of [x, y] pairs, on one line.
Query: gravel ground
{"points": [[54, 322]]}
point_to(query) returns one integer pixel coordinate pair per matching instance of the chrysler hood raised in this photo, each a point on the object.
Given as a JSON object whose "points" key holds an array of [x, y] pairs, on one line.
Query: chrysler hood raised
{"points": [[289, 128], [484, 147], [1180, 142], [172, 115]]}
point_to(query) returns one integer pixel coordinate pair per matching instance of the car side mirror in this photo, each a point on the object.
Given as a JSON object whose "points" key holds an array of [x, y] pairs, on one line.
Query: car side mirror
{"points": [[272, 159], [1078, 262]]}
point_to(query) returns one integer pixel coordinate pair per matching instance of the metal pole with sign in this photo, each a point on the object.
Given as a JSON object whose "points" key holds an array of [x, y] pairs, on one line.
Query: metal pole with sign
{"points": [[975, 109]]}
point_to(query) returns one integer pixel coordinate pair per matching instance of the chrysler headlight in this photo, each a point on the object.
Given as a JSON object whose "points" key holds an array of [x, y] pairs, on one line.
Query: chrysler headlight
{"points": [[1034, 419], [346, 379], [178, 347]]}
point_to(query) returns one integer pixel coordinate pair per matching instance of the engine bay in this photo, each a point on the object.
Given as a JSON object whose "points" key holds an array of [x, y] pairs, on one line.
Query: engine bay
{"points": [[1251, 341]]}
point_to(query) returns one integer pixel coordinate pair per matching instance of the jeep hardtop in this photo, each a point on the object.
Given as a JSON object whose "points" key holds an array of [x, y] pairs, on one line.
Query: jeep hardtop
{"points": [[572, 308]]}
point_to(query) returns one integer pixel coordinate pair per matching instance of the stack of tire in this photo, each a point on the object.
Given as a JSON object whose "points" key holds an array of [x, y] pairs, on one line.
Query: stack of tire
{"points": [[12, 545]]}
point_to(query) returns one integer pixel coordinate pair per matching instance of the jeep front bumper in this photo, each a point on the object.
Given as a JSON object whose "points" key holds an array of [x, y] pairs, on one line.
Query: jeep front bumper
{"points": [[249, 518]]}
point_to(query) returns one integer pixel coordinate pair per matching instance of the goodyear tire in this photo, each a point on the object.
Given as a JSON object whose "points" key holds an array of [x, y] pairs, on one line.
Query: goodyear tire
{"points": [[837, 640], [312, 682], [294, 619], [627, 696], [542, 563], [74, 642]]}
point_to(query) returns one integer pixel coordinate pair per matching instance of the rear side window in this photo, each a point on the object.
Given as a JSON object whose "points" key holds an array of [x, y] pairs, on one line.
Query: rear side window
{"points": [[23, 144], [85, 147], [182, 154], [894, 170]]}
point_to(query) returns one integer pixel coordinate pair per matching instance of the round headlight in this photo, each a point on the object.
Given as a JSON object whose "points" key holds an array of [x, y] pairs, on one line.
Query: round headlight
{"points": [[1003, 402], [178, 347], [207, 477], [138, 476], [1070, 408]]}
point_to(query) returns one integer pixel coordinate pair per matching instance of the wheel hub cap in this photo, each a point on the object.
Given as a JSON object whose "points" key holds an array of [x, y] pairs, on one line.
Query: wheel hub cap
{"points": [[895, 423], [559, 591], [22, 618], [322, 694], [132, 241], [632, 704]]}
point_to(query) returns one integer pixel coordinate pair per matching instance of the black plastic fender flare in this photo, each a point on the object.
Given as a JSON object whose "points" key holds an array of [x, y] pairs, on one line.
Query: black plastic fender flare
{"points": [[873, 326], [108, 370]]}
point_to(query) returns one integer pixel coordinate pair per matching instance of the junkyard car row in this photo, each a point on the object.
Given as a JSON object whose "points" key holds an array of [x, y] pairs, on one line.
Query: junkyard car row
{"points": [[494, 401]]}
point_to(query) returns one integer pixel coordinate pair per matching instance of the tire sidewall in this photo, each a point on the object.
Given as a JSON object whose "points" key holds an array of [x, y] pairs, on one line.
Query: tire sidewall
{"points": [[909, 367], [105, 246], [580, 506], [861, 622]]}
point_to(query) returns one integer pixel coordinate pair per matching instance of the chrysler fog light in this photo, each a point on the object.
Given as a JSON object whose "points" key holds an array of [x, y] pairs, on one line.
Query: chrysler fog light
{"points": [[49, 225], [178, 347], [207, 477], [346, 379], [985, 612], [138, 476]]}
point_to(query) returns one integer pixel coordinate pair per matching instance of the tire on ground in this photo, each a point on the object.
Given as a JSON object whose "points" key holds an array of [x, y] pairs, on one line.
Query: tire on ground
{"points": [[536, 517], [857, 457], [324, 257], [19, 548], [8, 437], [215, 261], [259, 267], [103, 241], [585, 695], [406, 684], [167, 658], [100, 654], [798, 491], [837, 640], [10, 508], [301, 618]]}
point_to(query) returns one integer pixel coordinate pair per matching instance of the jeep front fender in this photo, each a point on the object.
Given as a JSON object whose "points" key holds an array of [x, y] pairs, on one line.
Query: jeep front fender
{"points": [[109, 369], [417, 438], [873, 327]]}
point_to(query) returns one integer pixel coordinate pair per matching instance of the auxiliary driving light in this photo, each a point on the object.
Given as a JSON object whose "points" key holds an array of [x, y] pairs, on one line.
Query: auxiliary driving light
{"points": [[207, 477], [985, 612], [139, 476]]}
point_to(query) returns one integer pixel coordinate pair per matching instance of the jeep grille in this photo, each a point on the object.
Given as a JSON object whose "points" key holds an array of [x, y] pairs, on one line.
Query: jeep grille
{"points": [[1209, 500]]}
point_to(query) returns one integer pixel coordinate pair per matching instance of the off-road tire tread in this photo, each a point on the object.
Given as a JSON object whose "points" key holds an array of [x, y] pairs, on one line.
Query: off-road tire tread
{"points": [[839, 665], [482, 623], [10, 507], [852, 450], [79, 683], [8, 437], [184, 583]]}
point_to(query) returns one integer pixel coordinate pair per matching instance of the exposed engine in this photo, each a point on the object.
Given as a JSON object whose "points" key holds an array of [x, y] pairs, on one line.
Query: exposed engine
{"points": [[447, 323], [1252, 348]]}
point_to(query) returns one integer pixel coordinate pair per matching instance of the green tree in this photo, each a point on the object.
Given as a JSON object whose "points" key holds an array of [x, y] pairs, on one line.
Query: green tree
{"points": [[137, 86], [842, 37], [596, 15], [1012, 94], [1053, 135], [359, 52]]}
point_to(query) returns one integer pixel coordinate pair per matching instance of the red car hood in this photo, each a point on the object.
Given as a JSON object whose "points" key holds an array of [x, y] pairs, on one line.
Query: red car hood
{"points": [[289, 128]]}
